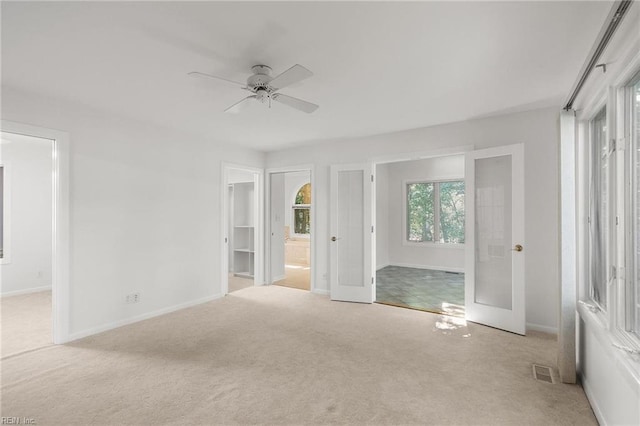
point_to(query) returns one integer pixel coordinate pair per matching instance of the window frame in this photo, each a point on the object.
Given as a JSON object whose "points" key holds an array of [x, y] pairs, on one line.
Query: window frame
{"points": [[436, 212], [629, 211], [620, 257], [602, 108]]}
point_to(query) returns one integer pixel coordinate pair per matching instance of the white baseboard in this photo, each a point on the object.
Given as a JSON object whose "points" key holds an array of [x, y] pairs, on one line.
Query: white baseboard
{"points": [[542, 328], [278, 278], [322, 291], [26, 291], [137, 318], [435, 268]]}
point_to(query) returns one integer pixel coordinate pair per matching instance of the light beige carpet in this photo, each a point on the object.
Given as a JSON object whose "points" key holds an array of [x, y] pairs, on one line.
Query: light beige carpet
{"points": [[274, 355], [296, 276], [26, 322]]}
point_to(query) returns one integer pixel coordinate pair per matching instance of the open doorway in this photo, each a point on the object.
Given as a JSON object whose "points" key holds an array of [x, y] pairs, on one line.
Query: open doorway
{"points": [[26, 242], [243, 242], [290, 228], [420, 223]]}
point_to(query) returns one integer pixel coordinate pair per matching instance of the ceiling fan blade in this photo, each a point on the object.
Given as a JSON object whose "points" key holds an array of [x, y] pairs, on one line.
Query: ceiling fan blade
{"points": [[293, 75], [239, 106], [296, 103], [197, 74]]}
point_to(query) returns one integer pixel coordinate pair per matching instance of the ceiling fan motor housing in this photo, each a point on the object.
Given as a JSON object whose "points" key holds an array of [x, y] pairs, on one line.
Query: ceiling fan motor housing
{"points": [[260, 78]]}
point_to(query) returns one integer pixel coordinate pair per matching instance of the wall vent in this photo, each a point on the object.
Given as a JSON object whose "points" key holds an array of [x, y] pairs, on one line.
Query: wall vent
{"points": [[542, 373]]}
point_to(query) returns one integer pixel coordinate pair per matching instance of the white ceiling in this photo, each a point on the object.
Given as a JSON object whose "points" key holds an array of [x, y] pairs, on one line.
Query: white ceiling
{"points": [[379, 67]]}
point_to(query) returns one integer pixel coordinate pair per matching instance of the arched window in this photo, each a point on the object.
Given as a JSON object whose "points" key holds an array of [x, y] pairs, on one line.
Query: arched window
{"points": [[302, 211]]}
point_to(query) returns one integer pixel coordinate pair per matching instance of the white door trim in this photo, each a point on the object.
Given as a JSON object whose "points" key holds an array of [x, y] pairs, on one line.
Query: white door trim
{"points": [[60, 285], [258, 173], [302, 168], [422, 155]]}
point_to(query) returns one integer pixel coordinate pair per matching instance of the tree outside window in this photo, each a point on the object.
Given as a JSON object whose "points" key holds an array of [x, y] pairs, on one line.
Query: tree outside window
{"points": [[435, 212], [302, 211]]}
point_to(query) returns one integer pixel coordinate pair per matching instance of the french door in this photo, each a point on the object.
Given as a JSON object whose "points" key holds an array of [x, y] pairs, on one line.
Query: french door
{"points": [[495, 248], [352, 274]]}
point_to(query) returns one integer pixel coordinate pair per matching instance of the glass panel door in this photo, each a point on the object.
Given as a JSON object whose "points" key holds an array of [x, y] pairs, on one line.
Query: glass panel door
{"points": [[495, 249], [351, 234]]}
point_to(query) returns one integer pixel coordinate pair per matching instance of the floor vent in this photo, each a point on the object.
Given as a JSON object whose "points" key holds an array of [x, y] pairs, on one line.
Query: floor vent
{"points": [[542, 373]]}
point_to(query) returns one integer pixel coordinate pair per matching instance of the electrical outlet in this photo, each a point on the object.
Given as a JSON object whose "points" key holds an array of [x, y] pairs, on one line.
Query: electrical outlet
{"points": [[133, 298]]}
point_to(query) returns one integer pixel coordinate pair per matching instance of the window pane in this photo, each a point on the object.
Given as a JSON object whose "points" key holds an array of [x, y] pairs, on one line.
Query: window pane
{"points": [[599, 210], [420, 212], [493, 232], [304, 194], [302, 221], [634, 296], [452, 212]]}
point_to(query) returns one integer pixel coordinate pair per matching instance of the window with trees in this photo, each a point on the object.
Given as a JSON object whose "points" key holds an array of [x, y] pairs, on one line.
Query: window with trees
{"points": [[599, 213], [435, 212], [302, 211]]}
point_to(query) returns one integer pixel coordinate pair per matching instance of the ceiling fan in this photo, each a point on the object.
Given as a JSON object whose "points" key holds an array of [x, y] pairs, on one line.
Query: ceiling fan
{"points": [[266, 88]]}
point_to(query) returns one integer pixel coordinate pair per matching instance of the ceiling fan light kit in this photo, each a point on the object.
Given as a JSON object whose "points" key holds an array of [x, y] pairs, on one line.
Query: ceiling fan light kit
{"points": [[266, 88]]}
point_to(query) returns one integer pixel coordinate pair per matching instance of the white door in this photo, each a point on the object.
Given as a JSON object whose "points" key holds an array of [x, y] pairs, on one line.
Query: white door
{"points": [[351, 233], [495, 248]]}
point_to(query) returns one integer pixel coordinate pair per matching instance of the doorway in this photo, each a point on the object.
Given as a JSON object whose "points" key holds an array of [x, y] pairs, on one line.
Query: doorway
{"points": [[291, 227], [420, 236], [26, 242], [242, 213], [493, 234]]}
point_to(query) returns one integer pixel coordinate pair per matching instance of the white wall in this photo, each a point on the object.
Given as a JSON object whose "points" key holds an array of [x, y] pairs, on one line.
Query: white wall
{"points": [[30, 165], [145, 210], [433, 256], [537, 130], [382, 215]]}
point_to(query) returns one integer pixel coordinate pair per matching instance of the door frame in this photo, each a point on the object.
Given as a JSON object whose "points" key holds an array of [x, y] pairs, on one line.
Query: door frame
{"points": [[60, 282], [401, 158], [301, 168], [258, 194]]}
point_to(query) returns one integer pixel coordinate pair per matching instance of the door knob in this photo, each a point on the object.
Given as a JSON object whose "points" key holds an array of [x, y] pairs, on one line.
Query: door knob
{"points": [[333, 238], [518, 247]]}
